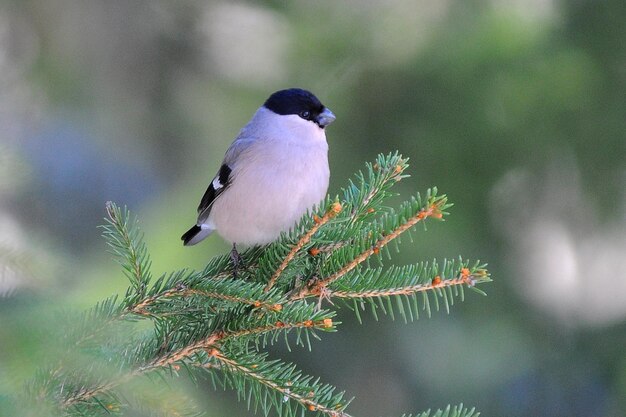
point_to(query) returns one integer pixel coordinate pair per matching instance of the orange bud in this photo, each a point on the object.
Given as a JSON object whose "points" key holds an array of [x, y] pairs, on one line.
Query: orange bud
{"points": [[336, 208], [214, 352], [398, 169], [376, 250], [370, 210], [308, 323], [314, 251], [257, 303], [316, 218], [435, 212], [176, 367], [328, 323], [436, 280], [277, 307], [465, 272], [280, 324], [311, 407]]}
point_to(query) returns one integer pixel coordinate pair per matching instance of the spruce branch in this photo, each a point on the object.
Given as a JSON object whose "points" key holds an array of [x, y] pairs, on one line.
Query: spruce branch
{"points": [[216, 339], [213, 291], [449, 411], [434, 209], [273, 383], [319, 222], [126, 243], [402, 284], [381, 176], [210, 324], [172, 347]]}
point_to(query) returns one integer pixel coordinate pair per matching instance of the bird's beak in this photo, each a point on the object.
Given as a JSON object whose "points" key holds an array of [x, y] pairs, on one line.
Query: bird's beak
{"points": [[325, 118]]}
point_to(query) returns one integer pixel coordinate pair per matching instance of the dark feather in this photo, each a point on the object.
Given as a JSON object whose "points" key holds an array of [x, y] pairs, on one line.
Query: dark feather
{"points": [[190, 234], [217, 187]]}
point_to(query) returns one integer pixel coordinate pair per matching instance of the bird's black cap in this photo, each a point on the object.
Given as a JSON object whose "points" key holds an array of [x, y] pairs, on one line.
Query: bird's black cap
{"points": [[294, 101]]}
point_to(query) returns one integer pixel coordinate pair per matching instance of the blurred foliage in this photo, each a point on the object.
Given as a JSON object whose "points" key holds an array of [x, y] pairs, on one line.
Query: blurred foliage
{"points": [[515, 108]]}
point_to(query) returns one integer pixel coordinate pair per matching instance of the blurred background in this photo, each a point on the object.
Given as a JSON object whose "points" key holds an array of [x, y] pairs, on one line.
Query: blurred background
{"points": [[515, 109]]}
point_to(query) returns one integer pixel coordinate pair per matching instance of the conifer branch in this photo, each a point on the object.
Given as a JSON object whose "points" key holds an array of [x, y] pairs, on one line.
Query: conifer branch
{"points": [[211, 323], [334, 209], [216, 339], [210, 343], [84, 394], [449, 411], [391, 171], [233, 299], [466, 278], [318, 287], [127, 245], [182, 291], [287, 388]]}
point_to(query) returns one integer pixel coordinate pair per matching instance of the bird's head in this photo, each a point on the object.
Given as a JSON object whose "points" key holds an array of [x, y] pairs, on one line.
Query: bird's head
{"points": [[301, 103]]}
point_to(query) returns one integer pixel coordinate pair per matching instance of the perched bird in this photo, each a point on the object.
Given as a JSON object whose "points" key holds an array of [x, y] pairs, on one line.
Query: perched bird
{"points": [[274, 171]]}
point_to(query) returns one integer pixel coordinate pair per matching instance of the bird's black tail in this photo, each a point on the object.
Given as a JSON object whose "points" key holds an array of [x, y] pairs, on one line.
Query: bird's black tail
{"points": [[195, 235]]}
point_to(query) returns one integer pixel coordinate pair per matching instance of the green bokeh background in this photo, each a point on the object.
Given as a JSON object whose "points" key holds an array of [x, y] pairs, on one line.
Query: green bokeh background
{"points": [[515, 109]]}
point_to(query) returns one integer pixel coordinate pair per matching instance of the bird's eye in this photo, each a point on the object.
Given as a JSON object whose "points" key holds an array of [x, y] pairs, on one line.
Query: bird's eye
{"points": [[305, 114]]}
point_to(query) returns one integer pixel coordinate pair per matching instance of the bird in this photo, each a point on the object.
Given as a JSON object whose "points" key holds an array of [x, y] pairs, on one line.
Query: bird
{"points": [[275, 170]]}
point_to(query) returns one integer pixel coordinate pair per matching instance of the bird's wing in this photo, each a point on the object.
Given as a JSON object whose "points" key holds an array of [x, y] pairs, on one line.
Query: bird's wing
{"points": [[215, 188], [223, 178]]}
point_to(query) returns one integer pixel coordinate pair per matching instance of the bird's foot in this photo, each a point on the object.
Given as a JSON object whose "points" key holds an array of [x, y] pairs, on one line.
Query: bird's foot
{"points": [[237, 261]]}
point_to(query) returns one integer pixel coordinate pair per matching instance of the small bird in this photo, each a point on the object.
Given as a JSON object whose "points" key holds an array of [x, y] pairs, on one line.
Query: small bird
{"points": [[274, 171]]}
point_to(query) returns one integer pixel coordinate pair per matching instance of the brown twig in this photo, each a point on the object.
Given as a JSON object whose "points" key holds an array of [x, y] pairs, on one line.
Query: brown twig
{"points": [[140, 307], [334, 209], [331, 247]]}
